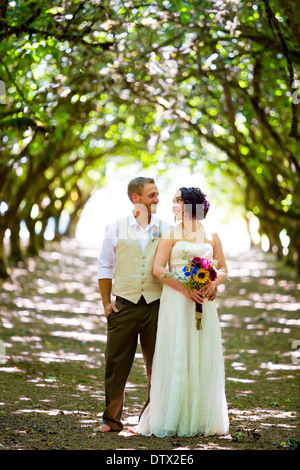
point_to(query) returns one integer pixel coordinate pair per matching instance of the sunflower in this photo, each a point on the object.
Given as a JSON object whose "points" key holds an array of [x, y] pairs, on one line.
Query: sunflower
{"points": [[202, 276]]}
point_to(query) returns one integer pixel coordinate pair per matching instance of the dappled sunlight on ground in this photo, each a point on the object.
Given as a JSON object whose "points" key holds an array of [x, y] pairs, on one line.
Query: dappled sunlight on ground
{"points": [[54, 332]]}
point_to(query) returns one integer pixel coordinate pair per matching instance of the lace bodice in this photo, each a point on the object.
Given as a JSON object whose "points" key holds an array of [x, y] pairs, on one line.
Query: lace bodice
{"points": [[182, 250]]}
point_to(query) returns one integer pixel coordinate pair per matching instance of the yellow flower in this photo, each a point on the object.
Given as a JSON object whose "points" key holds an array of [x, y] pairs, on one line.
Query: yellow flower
{"points": [[202, 276]]}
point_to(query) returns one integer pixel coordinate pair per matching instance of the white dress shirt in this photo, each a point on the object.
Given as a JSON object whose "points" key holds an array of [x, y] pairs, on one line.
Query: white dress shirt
{"points": [[107, 256]]}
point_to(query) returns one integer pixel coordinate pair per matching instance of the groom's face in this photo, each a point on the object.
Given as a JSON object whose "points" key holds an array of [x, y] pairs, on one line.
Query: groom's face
{"points": [[148, 198]]}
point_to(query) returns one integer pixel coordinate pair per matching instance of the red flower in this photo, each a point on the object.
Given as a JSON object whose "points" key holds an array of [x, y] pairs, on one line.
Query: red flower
{"points": [[196, 262], [213, 274]]}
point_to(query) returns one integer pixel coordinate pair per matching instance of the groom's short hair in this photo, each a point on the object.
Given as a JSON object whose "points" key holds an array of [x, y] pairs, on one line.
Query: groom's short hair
{"points": [[136, 185]]}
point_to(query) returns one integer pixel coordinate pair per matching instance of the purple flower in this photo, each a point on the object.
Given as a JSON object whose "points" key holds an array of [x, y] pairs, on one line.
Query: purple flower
{"points": [[155, 235], [196, 262]]}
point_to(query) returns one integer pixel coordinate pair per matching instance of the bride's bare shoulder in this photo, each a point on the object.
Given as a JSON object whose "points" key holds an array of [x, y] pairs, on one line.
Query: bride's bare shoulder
{"points": [[216, 241], [208, 236]]}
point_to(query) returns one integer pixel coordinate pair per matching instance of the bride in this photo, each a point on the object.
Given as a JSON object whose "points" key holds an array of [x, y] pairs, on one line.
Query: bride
{"points": [[187, 394]]}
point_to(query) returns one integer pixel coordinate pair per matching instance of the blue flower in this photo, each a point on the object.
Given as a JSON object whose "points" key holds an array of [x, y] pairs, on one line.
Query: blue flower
{"points": [[186, 271]]}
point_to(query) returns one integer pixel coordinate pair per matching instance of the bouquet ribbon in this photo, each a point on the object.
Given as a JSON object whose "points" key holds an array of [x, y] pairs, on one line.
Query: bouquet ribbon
{"points": [[198, 316]]}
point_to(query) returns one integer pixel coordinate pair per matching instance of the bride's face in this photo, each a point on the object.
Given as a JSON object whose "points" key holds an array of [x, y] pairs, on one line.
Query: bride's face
{"points": [[178, 205]]}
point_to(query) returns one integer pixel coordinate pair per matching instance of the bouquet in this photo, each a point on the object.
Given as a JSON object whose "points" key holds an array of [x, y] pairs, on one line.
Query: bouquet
{"points": [[199, 272]]}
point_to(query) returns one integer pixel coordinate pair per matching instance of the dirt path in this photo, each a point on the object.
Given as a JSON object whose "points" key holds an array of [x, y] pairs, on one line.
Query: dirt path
{"points": [[51, 377]]}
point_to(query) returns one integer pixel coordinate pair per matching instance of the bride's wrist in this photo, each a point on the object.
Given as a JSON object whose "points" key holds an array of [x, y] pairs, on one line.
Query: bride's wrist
{"points": [[185, 290]]}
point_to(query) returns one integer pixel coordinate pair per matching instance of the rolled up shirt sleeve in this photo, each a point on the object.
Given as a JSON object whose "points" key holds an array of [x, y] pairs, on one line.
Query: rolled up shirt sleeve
{"points": [[107, 256]]}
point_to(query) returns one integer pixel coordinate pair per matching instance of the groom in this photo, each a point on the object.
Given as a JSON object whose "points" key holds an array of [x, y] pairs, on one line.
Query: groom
{"points": [[127, 255]]}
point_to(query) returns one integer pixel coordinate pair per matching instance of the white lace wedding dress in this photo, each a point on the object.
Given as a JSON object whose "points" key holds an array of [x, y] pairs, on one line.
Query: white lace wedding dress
{"points": [[188, 382]]}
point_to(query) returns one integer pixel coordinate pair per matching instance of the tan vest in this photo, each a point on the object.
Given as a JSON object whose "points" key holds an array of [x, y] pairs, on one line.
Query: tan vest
{"points": [[133, 270]]}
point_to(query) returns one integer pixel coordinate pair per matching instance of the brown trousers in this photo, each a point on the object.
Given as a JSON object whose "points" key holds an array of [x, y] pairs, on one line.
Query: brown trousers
{"points": [[123, 329]]}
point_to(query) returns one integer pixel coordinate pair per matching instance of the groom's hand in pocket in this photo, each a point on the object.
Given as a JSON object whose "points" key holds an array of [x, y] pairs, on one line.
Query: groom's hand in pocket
{"points": [[109, 308]]}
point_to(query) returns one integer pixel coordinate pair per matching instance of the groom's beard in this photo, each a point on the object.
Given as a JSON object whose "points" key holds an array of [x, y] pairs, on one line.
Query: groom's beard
{"points": [[145, 209], [153, 208]]}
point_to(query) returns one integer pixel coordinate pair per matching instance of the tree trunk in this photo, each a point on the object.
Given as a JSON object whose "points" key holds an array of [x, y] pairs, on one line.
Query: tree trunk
{"points": [[15, 246], [33, 245], [272, 231], [4, 273], [293, 258]]}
